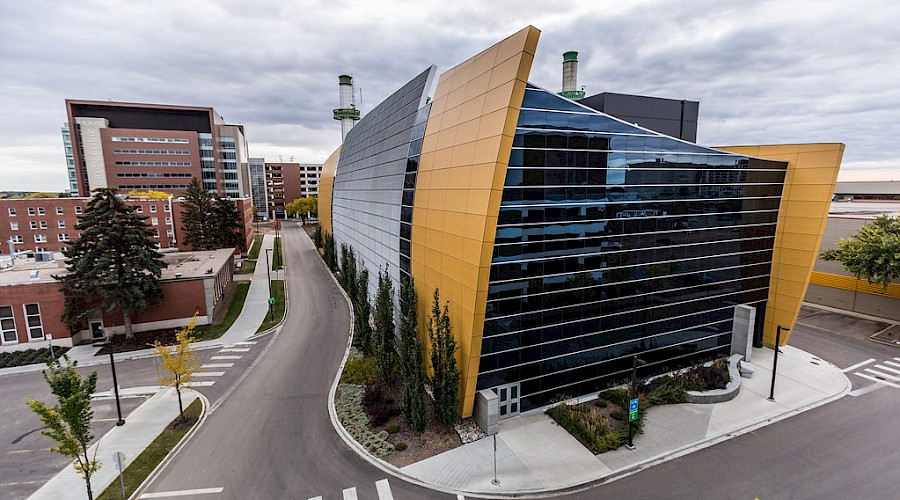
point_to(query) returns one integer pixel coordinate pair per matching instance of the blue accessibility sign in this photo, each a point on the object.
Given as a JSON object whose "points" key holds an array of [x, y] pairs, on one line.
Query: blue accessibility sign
{"points": [[633, 410]]}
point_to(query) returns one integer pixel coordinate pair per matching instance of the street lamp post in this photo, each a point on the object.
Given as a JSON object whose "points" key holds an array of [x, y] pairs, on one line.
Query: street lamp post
{"points": [[269, 279], [775, 361], [635, 362], [112, 364]]}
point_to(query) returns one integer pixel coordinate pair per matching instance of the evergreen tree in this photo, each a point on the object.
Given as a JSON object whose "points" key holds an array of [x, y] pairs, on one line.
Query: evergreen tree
{"points": [[343, 266], [329, 252], [384, 326], [229, 224], [445, 379], [348, 273], [69, 422], [198, 224], [363, 309], [411, 366], [113, 265], [317, 237]]}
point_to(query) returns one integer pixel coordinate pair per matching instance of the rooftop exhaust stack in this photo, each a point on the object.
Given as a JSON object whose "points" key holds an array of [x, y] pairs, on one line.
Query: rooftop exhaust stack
{"points": [[570, 77], [347, 113]]}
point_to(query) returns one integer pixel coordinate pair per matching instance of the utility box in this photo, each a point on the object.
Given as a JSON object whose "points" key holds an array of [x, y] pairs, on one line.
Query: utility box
{"points": [[487, 411], [742, 331]]}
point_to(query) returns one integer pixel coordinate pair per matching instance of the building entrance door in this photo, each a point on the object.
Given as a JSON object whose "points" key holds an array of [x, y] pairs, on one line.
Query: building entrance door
{"points": [[96, 330], [509, 399]]}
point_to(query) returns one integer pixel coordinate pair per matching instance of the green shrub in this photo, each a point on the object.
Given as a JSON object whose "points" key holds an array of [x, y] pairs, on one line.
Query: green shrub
{"points": [[400, 446], [616, 414], [601, 403], [393, 429], [352, 416], [360, 371]]}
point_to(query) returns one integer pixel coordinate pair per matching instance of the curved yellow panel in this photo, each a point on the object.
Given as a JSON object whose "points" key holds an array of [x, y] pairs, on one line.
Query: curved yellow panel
{"points": [[808, 187], [326, 189], [462, 169]]}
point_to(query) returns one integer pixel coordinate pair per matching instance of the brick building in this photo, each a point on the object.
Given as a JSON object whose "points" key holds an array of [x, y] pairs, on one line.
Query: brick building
{"points": [[153, 146], [48, 224], [31, 303]]}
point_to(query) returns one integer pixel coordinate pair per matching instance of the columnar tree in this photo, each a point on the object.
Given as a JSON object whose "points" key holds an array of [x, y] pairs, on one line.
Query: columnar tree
{"points": [[229, 223], [348, 273], [68, 423], [113, 265], [872, 253], [384, 325], [197, 221], [181, 362], [330, 252], [445, 377], [363, 309], [411, 365]]}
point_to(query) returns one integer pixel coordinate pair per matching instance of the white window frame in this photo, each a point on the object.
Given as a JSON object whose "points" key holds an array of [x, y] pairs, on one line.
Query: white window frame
{"points": [[139, 209], [154, 221], [43, 224], [40, 210], [60, 224], [40, 238], [32, 224], [62, 237], [152, 209], [14, 330], [28, 323], [12, 211], [167, 207], [14, 226], [59, 210], [30, 210], [17, 239], [77, 210]]}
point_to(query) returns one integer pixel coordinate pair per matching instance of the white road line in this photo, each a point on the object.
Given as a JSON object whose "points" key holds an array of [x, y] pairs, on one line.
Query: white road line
{"points": [[205, 383], [180, 493], [896, 359], [892, 370], [316, 498], [877, 381], [867, 389], [858, 365], [882, 374], [235, 349], [217, 365], [460, 497], [209, 374], [891, 363], [246, 342], [384, 490], [350, 494], [225, 357]]}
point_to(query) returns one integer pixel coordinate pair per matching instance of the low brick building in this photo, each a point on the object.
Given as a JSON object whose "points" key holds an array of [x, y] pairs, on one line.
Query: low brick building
{"points": [[31, 303]]}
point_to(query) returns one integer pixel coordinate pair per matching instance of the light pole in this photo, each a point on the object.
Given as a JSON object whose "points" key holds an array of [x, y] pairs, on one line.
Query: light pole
{"points": [[269, 279], [635, 362], [112, 363], [775, 361]]}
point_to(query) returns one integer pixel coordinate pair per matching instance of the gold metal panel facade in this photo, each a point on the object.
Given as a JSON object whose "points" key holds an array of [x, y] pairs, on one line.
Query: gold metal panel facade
{"points": [[854, 285], [465, 153], [808, 188], [326, 190]]}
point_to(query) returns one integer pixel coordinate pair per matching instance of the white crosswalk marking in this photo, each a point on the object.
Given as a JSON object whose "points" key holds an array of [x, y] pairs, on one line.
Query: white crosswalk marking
{"points": [[858, 365], [205, 383], [217, 365], [891, 363], [209, 374], [235, 349], [384, 490], [873, 379], [460, 497], [246, 342], [892, 370], [225, 357], [350, 494], [181, 493], [316, 498]]}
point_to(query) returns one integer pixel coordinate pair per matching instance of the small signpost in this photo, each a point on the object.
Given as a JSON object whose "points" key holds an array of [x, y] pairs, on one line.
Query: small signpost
{"points": [[633, 410], [119, 459], [271, 300]]}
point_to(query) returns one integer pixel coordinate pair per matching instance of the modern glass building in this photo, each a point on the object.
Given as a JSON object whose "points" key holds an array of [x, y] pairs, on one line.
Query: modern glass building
{"points": [[567, 241]]}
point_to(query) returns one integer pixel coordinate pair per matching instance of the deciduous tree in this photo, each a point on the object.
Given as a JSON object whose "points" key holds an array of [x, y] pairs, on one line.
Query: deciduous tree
{"points": [[68, 423], [303, 207], [180, 361], [113, 265], [872, 253]]}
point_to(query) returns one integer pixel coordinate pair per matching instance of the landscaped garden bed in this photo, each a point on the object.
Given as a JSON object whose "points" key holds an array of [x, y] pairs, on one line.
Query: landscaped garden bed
{"points": [[602, 424], [29, 356]]}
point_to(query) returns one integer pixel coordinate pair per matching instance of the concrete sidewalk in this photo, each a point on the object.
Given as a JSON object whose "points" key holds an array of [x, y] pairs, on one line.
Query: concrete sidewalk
{"points": [[534, 454], [141, 427], [252, 314]]}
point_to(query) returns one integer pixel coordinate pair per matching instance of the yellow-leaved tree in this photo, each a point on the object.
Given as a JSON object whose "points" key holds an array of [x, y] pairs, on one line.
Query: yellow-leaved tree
{"points": [[179, 360], [153, 195]]}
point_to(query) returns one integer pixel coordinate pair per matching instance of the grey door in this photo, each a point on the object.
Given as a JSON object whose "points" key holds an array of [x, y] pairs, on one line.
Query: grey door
{"points": [[509, 399], [97, 330]]}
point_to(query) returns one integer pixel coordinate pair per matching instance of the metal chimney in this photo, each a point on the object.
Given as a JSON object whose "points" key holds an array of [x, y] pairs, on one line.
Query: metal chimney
{"points": [[347, 113], [570, 76]]}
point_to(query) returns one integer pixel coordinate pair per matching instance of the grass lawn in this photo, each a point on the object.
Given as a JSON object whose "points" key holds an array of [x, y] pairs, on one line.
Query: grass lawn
{"points": [[247, 267], [254, 249], [214, 331], [139, 468], [277, 307], [276, 254]]}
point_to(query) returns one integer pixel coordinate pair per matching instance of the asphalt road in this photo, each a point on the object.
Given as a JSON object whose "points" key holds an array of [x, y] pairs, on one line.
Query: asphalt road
{"points": [[25, 463], [272, 438], [844, 450]]}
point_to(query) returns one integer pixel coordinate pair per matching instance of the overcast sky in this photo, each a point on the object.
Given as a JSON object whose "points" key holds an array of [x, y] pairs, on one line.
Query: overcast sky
{"points": [[775, 72]]}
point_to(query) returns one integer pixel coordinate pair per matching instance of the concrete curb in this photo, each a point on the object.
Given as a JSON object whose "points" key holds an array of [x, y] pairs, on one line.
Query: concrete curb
{"points": [[174, 451], [874, 338], [731, 390]]}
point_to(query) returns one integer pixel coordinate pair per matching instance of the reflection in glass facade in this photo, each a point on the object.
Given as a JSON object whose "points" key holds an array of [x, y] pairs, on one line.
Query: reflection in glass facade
{"points": [[614, 241]]}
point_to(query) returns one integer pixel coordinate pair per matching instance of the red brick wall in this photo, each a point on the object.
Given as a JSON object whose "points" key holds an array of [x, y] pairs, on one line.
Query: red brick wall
{"points": [[49, 297], [164, 183]]}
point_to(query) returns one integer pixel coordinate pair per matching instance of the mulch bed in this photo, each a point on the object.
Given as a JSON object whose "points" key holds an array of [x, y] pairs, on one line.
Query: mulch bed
{"points": [[141, 340]]}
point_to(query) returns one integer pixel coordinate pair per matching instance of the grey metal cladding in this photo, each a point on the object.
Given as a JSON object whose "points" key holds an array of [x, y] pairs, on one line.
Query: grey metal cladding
{"points": [[368, 180]]}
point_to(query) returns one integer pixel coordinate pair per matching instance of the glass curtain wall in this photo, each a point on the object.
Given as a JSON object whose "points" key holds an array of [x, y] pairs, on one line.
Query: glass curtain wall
{"points": [[614, 241]]}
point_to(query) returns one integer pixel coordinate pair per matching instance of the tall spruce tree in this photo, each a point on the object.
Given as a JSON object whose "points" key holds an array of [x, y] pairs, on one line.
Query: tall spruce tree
{"points": [[384, 326], [198, 223], [363, 309], [445, 379], [411, 367], [228, 224], [113, 266]]}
